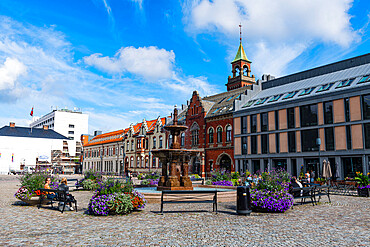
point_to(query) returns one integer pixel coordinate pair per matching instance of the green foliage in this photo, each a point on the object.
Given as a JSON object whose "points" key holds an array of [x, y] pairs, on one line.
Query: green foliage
{"points": [[320, 179], [93, 175], [362, 180], [209, 182], [276, 180], [140, 176], [144, 182], [247, 173], [235, 175], [113, 186], [89, 184], [35, 180], [152, 175], [235, 181], [121, 203]]}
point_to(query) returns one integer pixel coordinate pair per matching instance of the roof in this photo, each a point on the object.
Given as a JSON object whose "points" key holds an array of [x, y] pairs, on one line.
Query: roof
{"points": [[32, 133], [109, 137], [240, 55], [222, 103], [325, 83]]}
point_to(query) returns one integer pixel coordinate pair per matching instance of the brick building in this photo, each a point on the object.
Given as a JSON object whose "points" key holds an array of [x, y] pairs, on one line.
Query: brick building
{"points": [[210, 120]]}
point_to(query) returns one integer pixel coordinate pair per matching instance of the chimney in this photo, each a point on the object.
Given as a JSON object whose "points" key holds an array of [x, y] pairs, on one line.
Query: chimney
{"points": [[12, 125], [45, 127]]}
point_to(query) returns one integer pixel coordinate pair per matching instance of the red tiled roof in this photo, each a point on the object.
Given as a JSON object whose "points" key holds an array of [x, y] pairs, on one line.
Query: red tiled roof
{"points": [[109, 137]]}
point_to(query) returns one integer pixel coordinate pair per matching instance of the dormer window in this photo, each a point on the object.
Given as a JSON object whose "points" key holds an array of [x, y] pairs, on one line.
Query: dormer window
{"points": [[345, 83], [275, 98], [290, 95], [364, 79], [306, 91], [325, 87], [261, 101]]}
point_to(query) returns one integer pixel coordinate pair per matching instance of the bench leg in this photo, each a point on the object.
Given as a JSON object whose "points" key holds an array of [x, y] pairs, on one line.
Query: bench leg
{"points": [[162, 203]]}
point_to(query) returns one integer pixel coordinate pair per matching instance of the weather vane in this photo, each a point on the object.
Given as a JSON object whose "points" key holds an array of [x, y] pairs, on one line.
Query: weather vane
{"points": [[240, 26]]}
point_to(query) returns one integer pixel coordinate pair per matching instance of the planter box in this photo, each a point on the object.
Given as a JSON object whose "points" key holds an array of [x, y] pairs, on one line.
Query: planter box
{"points": [[34, 201], [363, 192]]}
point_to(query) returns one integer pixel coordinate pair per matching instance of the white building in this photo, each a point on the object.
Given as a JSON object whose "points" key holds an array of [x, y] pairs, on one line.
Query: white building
{"points": [[20, 147], [71, 124]]}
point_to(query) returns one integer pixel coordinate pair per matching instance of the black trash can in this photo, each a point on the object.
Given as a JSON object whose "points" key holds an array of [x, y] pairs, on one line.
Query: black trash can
{"points": [[243, 200]]}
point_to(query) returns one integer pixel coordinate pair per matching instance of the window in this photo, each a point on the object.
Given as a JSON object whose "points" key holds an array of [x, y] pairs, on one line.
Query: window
{"points": [[228, 133], [221, 100], [367, 135], [275, 98], [219, 134], [154, 143], [346, 109], [277, 142], [308, 140], [364, 79], [345, 83], [306, 91], [138, 142], [249, 103], [276, 120], [170, 140], [291, 118], [71, 132], [328, 112], [254, 144], [195, 137], [132, 145], [182, 139], [264, 121], [128, 146], [215, 110], [291, 142], [254, 123], [366, 106], [71, 126], [132, 162], [349, 137], [290, 95], [244, 145], [160, 142], [138, 162], [329, 139], [261, 101], [154, 162], [232, 96], [308, 114], [210, 135], [146, 143], [244, 125], [325, 87], [264, 144]]}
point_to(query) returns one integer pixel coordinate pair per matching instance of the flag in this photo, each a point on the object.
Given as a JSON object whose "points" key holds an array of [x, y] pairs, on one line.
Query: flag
{"points": [[12, 157], [31, 113]]}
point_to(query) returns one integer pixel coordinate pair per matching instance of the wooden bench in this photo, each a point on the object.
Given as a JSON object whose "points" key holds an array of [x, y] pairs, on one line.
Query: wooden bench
{"points": [[303, 193], [185, 199], [59, 196]]}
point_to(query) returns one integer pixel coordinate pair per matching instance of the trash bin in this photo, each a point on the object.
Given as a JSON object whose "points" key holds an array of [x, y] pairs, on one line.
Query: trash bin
{"points": [[243, 200]]}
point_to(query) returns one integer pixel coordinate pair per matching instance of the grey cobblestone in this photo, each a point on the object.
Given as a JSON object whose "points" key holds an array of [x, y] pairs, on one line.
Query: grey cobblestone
{"points": [[345, 222]]}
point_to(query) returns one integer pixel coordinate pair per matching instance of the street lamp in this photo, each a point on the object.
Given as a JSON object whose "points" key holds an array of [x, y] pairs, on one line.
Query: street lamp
{"points": [[318, 143]]}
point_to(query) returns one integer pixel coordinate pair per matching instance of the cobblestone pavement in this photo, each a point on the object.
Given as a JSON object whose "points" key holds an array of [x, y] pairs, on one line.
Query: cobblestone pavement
{"points": [[344, 222]]}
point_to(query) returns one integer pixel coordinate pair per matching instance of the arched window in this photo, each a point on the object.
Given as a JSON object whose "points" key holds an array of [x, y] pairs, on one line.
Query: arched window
{"points": [[146, 162], [210, 135], [182, 139], [237, 71], [160, 142], [132, 145], [219, 134], [132, 162], [128, 146], [194, 134], [154, 162], [142, 162], [169, 141], [245, 71], [154, 142], [228, 133], [138, 162]]}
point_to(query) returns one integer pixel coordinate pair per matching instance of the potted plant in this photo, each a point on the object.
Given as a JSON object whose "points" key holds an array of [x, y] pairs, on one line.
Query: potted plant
{"points": [[320, 181], [363, 184]]}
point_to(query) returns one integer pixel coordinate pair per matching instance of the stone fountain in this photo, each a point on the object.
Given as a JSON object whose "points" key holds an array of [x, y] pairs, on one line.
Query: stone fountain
{"points": [[175, 161]]}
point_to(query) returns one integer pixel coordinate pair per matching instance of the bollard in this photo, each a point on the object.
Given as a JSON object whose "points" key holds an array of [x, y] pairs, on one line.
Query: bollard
{"points": [[243, 200]]}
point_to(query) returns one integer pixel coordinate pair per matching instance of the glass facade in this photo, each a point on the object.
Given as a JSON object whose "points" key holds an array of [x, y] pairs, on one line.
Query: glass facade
{"points": [[277, 142], [276, 120], [291, 118], [244, 125], [291, 142], [308, 140], [264, 122], [328, 112], [244, 145], [367, 135], [264, 144], [329, 139], [308, 114], [349, 137], [254, 144], [366, 106], [253, 123], [346, 109]]}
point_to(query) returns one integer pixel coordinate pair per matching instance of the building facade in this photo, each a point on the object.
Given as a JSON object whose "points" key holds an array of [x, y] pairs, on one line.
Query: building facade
{"points": [[298, 121], [23, 148], [68, 123], [210, 121]]}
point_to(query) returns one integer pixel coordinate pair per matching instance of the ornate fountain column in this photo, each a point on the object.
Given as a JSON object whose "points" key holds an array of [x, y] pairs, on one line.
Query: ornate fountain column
{"points": [[172, 180]]}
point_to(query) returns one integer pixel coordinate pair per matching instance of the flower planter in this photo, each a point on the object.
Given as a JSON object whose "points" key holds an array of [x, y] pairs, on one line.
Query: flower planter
{"points": [[363, 192], [34, 201]]}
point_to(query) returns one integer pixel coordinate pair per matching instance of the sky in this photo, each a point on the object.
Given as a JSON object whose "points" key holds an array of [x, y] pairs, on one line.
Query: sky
{"points": [[122, 61]]}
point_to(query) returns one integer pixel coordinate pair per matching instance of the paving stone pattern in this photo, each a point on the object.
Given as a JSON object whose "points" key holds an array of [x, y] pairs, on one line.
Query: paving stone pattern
{"points": [[344, 222]]}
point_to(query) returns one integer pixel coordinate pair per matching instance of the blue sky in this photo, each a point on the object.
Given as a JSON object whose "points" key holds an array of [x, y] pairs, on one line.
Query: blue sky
{"points": [[124, 60]]}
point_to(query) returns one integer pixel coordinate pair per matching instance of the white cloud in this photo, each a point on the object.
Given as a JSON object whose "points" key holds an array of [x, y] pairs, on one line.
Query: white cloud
{"points": [[290, 26], [10, 72], [149, 62], [139, 3]]}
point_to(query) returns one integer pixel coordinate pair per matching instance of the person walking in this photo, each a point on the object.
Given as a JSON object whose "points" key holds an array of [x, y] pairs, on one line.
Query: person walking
{"points": [[312, 176]]}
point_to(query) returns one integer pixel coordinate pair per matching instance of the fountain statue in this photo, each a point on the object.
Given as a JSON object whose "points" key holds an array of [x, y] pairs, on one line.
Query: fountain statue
{"points": [[175, 161]]}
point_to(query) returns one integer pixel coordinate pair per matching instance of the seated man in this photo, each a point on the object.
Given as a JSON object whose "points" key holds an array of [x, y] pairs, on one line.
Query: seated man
{"points": [[295, 184]]}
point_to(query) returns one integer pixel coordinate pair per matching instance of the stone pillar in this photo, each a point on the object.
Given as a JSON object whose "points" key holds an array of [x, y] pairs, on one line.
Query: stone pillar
{"points": [[185, 180], [163, 178], [172, 180]]}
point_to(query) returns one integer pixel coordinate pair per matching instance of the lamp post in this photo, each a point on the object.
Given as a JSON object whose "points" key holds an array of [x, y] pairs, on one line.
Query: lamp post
{"points": [[318, 143]]}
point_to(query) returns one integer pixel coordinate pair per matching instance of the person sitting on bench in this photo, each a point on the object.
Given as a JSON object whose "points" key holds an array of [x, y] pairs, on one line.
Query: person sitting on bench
{"points": [[295, 184], [63, 186], [50, 195]]}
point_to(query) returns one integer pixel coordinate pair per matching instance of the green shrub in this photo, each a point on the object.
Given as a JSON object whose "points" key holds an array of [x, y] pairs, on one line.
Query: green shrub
{"points": [[36, 181], [209, 182], [121, 203], [93, 175], [89, 184], [144, 182]]}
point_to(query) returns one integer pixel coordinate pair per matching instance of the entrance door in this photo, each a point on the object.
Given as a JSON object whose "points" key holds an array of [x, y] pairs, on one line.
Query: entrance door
{"points": [[225, 163], [312, 165]]}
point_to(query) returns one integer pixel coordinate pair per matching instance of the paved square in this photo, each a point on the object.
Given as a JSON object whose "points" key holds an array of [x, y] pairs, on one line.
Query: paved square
{"points": [[344, 222]]}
